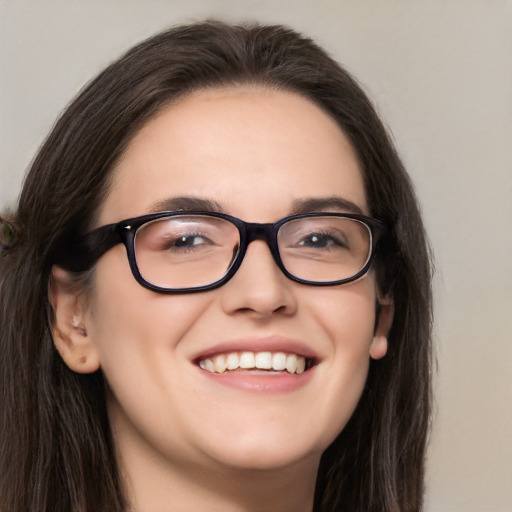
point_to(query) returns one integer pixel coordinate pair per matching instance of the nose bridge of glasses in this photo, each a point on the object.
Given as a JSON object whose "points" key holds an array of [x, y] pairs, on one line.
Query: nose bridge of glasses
{"points": [[265, 232]]}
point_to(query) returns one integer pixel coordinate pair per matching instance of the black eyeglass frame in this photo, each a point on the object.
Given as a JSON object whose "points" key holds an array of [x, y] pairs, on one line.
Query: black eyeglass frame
{"points": [[85, 251]]}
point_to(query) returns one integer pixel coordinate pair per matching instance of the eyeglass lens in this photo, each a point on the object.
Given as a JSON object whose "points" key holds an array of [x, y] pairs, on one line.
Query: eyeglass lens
{"points": [[188, 251]]}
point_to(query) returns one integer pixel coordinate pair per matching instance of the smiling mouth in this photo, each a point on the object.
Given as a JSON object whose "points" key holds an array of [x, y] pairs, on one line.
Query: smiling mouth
{"points": [[255, 362]]}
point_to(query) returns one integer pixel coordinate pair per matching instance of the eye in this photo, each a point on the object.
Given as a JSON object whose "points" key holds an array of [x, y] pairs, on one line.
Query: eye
{"points": [[188, 240], [191, 241], [320, 241]]}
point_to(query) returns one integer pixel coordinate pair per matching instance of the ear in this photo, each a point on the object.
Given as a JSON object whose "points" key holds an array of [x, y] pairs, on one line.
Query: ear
{"points": [[384, 321], [69, 325]]}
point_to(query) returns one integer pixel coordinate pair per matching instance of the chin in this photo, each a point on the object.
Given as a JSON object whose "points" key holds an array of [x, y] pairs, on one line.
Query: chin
{"points": [[263, 460], [262, 453]]}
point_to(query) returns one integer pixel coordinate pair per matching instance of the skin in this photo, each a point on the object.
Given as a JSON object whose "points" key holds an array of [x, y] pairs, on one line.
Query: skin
{"points": [[184, 441]]}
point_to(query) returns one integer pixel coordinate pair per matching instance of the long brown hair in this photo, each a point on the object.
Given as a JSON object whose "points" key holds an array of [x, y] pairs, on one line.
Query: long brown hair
{"points": [[56, 449]]}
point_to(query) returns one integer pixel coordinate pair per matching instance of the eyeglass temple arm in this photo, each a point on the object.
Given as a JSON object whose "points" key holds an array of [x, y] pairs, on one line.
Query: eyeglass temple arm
{"points": [[83, 253]]}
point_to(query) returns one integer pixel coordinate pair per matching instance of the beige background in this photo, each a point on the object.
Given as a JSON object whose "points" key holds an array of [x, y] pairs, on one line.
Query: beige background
{"points": [[441, 75]]}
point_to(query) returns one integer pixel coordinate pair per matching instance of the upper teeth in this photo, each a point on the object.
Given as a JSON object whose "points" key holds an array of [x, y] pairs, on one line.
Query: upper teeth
{"points": [[276, 361]]}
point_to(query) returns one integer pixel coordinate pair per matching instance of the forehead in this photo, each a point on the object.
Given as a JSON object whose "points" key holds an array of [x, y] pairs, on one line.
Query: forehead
{"points": [[242, 147]]}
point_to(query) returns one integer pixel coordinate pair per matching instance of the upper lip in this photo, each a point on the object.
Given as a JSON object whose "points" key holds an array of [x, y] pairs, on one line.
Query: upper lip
{"points": [[259, 344]]}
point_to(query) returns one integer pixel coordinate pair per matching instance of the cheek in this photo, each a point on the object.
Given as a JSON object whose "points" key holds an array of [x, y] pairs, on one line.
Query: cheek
{"points": [[129, 323], [347, 316]]}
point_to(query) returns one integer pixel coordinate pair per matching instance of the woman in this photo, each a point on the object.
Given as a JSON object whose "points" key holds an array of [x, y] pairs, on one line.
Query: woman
{"points": [[216, 291]]}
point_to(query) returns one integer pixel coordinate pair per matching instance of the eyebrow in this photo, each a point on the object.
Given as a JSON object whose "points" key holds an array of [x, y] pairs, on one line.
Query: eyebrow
{"points": [[186, 203], [313, 204], [320, 204]]}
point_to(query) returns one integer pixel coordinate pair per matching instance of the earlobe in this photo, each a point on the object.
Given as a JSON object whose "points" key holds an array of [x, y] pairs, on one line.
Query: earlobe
{"points": [[69, 325], [379, 347], [386, 311]]}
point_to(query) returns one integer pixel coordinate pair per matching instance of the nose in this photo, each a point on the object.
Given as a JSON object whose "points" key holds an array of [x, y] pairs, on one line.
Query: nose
{"points": [[259, 288]]}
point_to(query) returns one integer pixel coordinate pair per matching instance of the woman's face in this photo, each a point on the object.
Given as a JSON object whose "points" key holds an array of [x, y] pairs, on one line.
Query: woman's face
{"points": [[259, 155]]}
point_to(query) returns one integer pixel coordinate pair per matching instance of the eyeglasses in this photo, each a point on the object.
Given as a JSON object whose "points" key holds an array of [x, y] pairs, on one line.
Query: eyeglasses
{"points": [[191, 251]]}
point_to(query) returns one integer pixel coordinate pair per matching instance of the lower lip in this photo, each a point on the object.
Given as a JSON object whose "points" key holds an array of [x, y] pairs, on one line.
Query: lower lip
{"points": [[258, 383]]}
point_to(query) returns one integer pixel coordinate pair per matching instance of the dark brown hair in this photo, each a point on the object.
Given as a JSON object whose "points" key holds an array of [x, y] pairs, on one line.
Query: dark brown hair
{"points": [[56, 451]]}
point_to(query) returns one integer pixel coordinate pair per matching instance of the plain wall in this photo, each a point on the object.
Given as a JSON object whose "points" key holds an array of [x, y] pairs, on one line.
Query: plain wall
{"points": [[440, 73]]}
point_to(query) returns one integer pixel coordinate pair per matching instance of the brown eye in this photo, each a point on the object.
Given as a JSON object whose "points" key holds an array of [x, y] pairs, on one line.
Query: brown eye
{"points": [[321, 241]]}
